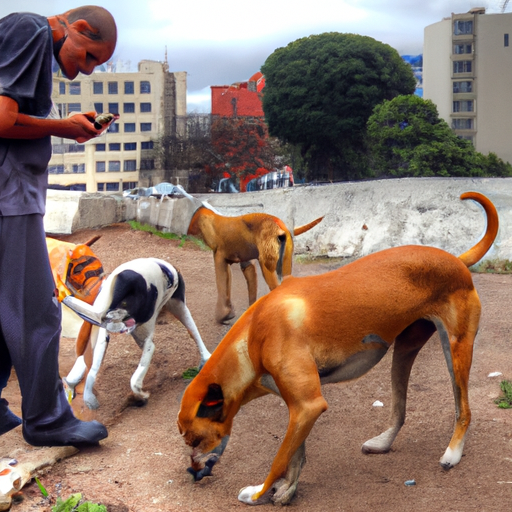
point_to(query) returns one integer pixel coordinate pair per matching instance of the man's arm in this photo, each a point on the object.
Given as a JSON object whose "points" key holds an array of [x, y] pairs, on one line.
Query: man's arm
{"points": [[14, 125]]}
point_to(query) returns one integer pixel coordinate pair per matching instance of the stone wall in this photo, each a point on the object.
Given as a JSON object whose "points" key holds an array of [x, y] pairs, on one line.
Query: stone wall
{"points": [[360, 217]]}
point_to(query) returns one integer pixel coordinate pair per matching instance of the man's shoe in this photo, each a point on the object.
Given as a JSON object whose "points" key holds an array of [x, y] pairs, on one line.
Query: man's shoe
{"points": [[73, 433], [8, 420]]}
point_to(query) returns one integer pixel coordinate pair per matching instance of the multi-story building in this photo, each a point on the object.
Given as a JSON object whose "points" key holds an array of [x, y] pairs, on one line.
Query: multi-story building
{"points": [[467, 72], [150, 102]]}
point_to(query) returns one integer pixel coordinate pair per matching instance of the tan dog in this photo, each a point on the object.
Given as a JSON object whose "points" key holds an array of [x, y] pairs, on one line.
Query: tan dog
{"points": [[334, 327], [243, 239]]}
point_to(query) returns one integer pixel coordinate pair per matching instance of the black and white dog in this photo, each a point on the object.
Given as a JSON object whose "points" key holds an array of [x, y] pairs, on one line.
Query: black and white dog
{"points": [[129, 301]]}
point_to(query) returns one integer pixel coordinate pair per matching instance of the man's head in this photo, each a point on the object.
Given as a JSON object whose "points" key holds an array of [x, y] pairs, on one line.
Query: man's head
{"points": [[83, 38]]}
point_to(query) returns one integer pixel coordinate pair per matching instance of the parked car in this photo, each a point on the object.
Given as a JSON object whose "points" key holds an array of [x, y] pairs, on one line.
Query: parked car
{"points": [[226, 185], [136, 193], [165, 189]]}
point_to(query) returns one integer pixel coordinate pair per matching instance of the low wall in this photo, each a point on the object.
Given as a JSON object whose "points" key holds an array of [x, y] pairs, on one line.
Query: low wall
{"points": [[359, 217]]}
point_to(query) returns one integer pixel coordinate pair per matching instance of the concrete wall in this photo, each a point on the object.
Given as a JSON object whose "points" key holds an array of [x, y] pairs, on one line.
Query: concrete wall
{"points": [[360, 217]]}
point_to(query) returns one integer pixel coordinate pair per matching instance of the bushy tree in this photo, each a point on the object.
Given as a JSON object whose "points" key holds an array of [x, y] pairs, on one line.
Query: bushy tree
{"points": [[242, 148], [320, 91], [406, 137]]}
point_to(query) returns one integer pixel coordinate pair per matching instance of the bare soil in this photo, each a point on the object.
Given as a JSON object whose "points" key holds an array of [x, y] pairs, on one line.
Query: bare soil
{"points": [[141, 466]]}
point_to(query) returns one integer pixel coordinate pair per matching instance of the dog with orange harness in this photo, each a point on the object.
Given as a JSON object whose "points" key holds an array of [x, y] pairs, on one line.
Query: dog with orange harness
{"points": [[335, 327]]}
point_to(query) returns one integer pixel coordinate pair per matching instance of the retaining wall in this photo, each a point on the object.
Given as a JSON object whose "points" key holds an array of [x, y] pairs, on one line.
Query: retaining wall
{"points": [[360, 217]]}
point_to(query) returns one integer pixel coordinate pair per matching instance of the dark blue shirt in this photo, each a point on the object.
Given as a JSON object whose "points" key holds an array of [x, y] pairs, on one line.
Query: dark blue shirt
{"points": [[26, 53]]}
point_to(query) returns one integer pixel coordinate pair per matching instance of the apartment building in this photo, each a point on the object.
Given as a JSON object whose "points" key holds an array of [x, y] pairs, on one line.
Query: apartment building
{"points": [[150, 102], [467, 72]]}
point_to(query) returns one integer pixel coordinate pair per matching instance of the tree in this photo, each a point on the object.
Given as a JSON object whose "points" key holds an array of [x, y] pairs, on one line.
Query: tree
{"points": [[320, 91], [242, 148], [406, 137]]}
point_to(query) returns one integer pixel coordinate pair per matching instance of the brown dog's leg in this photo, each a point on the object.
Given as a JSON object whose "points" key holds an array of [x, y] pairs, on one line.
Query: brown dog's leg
{"points": [[458, 351], [406, 348], [286, 487], [249, 270], [224, 310], [300, 388]]}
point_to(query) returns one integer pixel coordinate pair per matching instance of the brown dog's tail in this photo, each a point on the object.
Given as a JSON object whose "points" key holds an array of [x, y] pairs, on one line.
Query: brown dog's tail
{"points": [[476, 253], [306, 227]]}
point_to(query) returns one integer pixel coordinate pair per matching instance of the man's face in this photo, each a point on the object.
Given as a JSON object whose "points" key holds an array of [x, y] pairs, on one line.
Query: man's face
{"points": [[79, 53]]}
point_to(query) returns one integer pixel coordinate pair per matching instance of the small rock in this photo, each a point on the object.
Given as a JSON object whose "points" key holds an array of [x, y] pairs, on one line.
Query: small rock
{"points": [[378, 403], [410, 482], [494, 374]]}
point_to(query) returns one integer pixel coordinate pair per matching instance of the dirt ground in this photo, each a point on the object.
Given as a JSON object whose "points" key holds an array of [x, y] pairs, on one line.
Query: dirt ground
{"points": [[141, 466]]}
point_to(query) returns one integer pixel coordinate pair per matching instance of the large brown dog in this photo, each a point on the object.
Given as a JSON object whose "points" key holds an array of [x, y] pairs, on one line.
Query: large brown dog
{"points": [[243, 239], [334, 327]]}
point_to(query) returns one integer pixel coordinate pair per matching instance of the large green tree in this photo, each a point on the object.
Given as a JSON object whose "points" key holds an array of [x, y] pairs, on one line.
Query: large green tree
{"points": [[407, 138], [320, 91]]}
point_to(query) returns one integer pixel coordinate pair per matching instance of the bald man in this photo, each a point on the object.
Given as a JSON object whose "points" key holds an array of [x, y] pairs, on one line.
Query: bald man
{"points": [[79, 40]]}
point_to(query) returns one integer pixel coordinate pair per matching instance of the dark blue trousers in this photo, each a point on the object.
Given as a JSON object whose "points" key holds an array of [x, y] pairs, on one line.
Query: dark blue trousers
{"points": [[30, 323]]}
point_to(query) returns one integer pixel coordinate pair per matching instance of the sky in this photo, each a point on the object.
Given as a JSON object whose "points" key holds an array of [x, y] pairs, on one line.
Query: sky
{"points": [[227, 41]]}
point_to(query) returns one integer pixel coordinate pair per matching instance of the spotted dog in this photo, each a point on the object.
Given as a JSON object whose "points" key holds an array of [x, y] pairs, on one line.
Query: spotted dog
{"points": [[129, 301], [335, 327]]}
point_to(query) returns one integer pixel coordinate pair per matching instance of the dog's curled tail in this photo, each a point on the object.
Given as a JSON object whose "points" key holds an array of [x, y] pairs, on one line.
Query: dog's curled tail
{"points": [[476, 253], [307, 227]]}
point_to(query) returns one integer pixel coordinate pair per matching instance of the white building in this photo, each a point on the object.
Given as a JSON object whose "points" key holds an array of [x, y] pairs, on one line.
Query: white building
{"points": [[467, 73]]}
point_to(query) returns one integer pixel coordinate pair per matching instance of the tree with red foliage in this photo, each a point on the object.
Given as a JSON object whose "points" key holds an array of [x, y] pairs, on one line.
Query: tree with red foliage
{"points": [[242, 147]]}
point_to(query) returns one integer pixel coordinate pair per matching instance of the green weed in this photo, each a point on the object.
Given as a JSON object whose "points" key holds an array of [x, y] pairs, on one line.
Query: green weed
{"points": [[190, 373], [505, 401], [495, 266], [168, 236]]}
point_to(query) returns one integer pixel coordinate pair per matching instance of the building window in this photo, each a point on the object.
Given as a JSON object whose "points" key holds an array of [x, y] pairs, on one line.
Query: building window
{"points": [[130, 165], [130, 146], [145, 87], [145, 107], [114, 166], [114, 146], [100, 166], [129, 88], [74, 107], [113, 108], [99, 108], [146, 145], [128, 108], [465, 86], [127, 185], [100, 147], [113, 128], [97, 87], [462, 124], [101, 187], [112, 87], [461, 27], [463, 106], [56, 169], [462, 66], [129, 127], [112, 187], [62, 87], [459, 49], [74, 88], [505, 39], [147, 165], [145, 127], [79, 168]]}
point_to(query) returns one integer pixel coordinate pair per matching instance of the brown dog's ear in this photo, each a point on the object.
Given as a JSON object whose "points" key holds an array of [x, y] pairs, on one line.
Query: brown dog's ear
{"points": [[211, 406]]}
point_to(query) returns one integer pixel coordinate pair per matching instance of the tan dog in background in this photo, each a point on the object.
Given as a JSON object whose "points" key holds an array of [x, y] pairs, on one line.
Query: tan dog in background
{"points": [[243, 239], [335, 327]]}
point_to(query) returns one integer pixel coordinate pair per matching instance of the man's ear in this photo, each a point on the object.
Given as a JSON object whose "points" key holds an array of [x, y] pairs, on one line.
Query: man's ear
{"points": [[81, 26]]}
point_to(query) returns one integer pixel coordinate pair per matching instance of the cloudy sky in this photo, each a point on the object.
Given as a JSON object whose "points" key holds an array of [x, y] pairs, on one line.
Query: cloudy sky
{"points": [[226, 41]]}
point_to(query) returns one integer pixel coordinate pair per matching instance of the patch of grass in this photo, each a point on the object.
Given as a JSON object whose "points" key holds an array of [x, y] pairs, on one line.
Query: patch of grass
{"points": [[72, 504], [168, 236], [190, 373], [505, 401], [495, 266]]}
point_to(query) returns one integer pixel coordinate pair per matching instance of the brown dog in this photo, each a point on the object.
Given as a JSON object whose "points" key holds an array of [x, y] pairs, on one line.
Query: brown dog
{"points": [[243, 239], [334, 327]]}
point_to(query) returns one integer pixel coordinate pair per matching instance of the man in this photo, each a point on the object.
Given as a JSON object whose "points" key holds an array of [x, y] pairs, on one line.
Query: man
{"points": [[79, 40]]}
